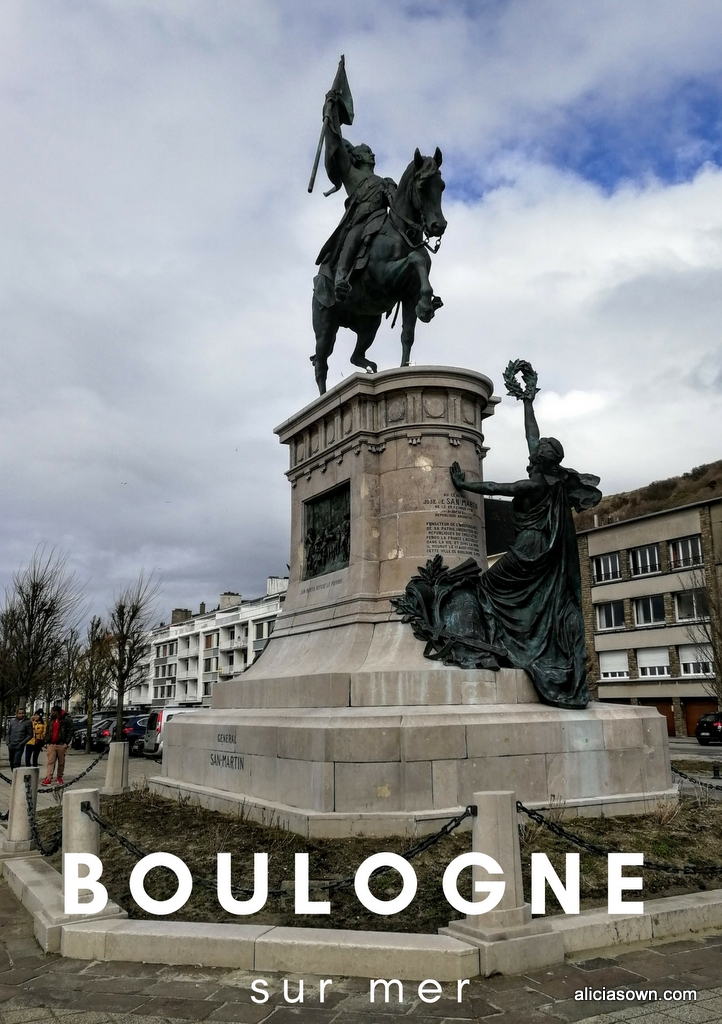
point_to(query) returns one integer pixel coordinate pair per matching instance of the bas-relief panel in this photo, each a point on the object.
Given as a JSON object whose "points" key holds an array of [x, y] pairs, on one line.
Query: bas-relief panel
{"points": [[327, 535]]}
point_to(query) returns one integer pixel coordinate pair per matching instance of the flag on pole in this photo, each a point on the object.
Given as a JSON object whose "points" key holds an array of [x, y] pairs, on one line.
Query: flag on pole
{"points": [[344, 109], [341, 86]]}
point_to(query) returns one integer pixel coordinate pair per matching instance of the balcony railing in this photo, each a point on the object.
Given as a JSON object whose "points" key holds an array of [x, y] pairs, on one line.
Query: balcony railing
{"points": [[602, 577]]}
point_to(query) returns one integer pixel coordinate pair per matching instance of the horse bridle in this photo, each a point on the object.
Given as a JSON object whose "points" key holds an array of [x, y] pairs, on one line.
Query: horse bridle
{"points": [[416, 203]]}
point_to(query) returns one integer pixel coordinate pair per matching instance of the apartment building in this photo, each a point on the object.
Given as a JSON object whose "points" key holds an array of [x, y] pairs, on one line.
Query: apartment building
{"points": [[650, 609], [193, 651]]}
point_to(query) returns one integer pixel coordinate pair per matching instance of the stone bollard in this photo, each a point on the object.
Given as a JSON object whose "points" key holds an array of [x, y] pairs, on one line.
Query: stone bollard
{"points": [[19, 837], [80, 833], [509, 941], [116, 775]]}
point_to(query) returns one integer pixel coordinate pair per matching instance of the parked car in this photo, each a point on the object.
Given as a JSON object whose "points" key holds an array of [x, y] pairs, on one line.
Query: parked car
{"points": [[134, 732], [709, 729], [78, 740], [155, 728], [101, 734]]}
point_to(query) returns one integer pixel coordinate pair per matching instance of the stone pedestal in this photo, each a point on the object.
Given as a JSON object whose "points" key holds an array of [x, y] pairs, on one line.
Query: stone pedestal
{"points": [[342, 726], [19, 836], [379, 445], [509, 941], [116, 772]]}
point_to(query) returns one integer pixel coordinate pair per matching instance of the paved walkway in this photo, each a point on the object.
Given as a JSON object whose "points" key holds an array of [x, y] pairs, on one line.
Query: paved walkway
{"points": [[76, 762], [36, 987]]}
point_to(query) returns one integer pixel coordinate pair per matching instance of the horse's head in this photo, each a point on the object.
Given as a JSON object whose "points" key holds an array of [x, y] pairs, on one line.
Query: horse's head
{"points": [[426, 188]]}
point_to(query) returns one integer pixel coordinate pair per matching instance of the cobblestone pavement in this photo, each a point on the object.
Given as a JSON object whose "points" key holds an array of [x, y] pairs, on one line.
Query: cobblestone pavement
{"points": [[35, 987]]}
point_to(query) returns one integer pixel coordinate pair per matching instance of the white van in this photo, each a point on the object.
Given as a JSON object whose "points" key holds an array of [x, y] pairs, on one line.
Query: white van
{"points": [[155, 727]]}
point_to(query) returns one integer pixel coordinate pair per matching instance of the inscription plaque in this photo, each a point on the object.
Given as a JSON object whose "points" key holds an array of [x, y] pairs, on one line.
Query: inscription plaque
{"points": [[453, 528]]}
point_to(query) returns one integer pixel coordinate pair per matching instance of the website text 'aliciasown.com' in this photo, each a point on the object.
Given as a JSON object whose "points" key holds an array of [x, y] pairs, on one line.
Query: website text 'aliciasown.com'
{"points": [[638, 995]]}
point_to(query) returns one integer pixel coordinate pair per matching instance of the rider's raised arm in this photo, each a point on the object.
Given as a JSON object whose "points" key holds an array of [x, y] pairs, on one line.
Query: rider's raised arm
{"points": [[531, 426], [336, 157]]}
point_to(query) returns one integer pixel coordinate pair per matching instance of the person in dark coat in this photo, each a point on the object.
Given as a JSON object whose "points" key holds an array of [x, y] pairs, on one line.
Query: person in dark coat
{"points": [[20, 730]]}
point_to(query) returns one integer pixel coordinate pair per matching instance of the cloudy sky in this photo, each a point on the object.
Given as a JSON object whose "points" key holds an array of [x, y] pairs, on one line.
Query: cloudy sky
{"points": [[157, 247]]}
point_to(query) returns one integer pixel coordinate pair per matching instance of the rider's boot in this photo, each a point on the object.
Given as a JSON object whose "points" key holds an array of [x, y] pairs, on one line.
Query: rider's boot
{"points": [[341, 283]]}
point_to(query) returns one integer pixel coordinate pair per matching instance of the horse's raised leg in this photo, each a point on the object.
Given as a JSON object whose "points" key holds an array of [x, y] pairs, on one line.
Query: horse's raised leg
{"points": [[428, 302], [365, 334], [325, 327], [408, 327]]}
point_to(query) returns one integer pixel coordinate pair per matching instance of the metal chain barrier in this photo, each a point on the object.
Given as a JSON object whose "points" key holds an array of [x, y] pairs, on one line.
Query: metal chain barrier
{"points": [[695, 782], [584, 844], [58, 789], [65, 785], [344, 883], [57, 842], [414, 851]]}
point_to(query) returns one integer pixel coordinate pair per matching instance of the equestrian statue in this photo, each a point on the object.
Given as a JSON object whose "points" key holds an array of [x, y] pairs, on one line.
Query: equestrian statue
{"points": [[378, 256]]}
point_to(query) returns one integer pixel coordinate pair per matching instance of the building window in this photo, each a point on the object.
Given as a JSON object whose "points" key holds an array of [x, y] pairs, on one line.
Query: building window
{"points": [[684, 552], [606, 567], [649, 611], [230, 660], [610, 615], [232, 633], [157, 671], [206, 664], [206, 689], [696, 660], [691, 604], [653, 661], [613, 665], [259, 630], [644, 560], [244, 631]]}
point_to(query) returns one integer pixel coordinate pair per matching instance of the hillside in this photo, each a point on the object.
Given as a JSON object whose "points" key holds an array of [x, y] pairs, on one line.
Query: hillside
{"points": [[700, 484]]}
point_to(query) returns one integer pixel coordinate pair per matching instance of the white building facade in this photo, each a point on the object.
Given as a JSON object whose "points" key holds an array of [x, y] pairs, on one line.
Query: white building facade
{"points": [[193, 652]]}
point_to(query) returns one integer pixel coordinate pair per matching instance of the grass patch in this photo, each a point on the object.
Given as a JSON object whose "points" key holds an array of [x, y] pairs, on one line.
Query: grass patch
{"points": [[681, 835]]}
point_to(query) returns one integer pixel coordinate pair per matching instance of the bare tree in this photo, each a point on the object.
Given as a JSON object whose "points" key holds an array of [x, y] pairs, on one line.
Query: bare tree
{"points": [[42, 606], [95, 670], [128, 623], [702, 592], [68, 665]]}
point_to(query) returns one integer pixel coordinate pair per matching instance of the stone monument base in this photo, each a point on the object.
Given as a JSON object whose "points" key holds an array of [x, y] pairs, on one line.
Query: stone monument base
{"points": [[395, 753], [343, 727]]}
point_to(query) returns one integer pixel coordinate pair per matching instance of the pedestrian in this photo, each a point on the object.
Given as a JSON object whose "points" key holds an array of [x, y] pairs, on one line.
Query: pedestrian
{"points": [[37, 740], [19, 732], [58, 735]]}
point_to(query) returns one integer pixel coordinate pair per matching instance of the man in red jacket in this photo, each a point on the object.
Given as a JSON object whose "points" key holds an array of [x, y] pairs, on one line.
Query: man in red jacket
{"points": [[59, 735]]}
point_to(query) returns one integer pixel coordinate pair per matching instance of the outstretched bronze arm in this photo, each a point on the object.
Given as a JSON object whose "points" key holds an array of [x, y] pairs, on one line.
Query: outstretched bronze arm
{"points": [[531, 427], [458, 478]]}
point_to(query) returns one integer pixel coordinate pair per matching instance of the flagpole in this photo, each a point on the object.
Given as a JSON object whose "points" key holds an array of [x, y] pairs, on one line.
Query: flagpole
{"points": [[312, 181]]}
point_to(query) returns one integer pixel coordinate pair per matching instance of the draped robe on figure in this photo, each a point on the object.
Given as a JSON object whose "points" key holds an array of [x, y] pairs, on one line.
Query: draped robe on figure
{"points": [[531, 598]]}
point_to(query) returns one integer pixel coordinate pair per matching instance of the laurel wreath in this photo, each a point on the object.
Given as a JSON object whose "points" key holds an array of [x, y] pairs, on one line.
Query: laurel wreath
{"points": [[528, 375]]}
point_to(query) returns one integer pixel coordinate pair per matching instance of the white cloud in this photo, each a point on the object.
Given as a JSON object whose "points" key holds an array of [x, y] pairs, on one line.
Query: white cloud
{"points": [[157, 248]]}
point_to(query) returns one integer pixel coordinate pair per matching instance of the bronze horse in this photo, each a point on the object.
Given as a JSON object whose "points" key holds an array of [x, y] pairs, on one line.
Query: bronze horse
{"points": [[395, 269]]}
